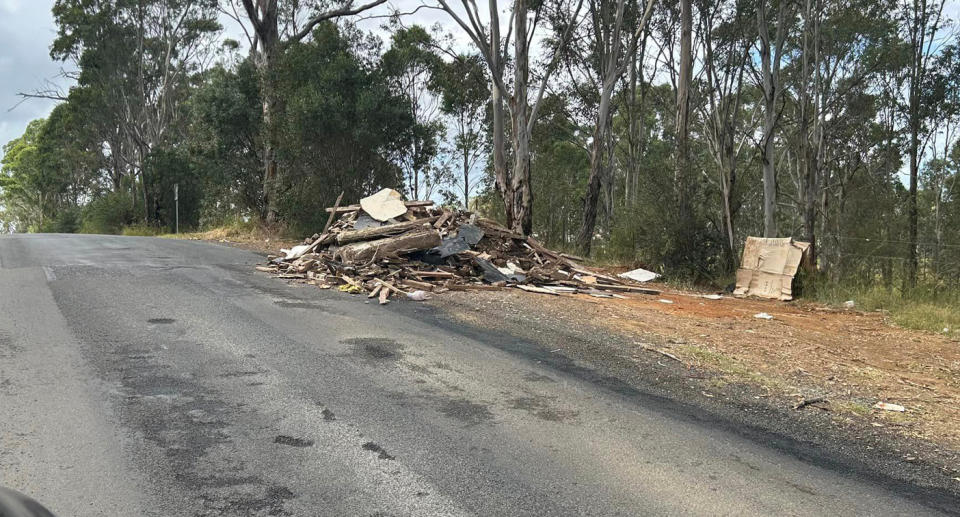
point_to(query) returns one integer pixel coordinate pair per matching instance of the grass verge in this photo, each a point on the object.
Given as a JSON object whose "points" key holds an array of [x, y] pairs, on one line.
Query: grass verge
{"points": [[919, 309], [250, 235]]}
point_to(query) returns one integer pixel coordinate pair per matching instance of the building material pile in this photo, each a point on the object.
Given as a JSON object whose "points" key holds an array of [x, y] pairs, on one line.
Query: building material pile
{"points": [[385, 246]]}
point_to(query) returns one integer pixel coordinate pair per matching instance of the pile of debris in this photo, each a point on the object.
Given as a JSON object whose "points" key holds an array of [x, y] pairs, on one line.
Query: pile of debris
{"points": [[386, 246]]}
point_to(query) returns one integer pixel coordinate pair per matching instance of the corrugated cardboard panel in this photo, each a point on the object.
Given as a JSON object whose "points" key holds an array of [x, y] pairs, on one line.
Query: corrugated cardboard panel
{"points": [[768, 267]]}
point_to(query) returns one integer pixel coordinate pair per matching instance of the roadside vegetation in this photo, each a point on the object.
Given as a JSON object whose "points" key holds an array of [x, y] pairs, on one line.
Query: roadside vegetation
{"points": [[658, 134]]}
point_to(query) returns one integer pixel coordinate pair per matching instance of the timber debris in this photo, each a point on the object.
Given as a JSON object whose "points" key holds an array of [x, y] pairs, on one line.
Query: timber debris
{"points": [[385, 246]]}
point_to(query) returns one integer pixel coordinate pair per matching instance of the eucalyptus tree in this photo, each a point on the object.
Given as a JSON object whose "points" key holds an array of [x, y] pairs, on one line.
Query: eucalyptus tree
{"points": [[842, 47], [603, 51], [771, 49], [464, 98], [727, 124], [276, 26], [138, 59], [513, 183], [412, 66], [922, 24]]}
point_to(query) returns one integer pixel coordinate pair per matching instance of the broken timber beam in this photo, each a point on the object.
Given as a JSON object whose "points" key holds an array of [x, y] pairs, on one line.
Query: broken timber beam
{"points": [[374, 232], [405, 243]]}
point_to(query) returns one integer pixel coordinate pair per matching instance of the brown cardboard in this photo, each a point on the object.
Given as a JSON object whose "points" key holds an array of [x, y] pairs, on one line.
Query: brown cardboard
{"points": [[768, 267]]}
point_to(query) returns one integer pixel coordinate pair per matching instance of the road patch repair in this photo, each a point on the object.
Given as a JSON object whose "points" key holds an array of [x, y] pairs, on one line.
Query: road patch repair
{"points": [[386, 247]]}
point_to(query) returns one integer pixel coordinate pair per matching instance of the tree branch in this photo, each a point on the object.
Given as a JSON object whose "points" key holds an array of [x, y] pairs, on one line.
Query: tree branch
{"points": [[347, 10]]}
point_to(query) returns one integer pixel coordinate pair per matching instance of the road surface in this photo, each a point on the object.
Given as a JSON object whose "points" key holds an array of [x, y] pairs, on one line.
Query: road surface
{"points": [[159, 377]]}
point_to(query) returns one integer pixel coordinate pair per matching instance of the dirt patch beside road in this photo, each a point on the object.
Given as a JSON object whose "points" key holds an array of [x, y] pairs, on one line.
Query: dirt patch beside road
{"points": [[717, 355], [852, 359]]}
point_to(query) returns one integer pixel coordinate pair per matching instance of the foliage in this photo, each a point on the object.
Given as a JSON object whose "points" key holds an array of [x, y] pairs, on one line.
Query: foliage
{"points": [[342, 128], [162, 99], [109, 213]]}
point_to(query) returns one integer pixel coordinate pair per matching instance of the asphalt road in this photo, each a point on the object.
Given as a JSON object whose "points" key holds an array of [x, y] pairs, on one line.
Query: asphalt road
{"points": [[158, 377]]}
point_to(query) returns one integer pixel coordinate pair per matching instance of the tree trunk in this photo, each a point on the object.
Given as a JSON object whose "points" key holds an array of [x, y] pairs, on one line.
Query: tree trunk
{"points": [[520, 187], [591, 197], [365, 234], [770, 77], [683, 109], [727, 192], [520, 191], [271, 170], [466, 178], [498, 127], [363, 252], [912, 218]]}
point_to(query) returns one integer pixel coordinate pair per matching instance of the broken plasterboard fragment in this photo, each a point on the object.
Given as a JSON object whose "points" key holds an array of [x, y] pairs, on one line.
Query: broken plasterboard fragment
{"points": [[418, 296], [295, 251], [763, 316], [639, 275], [514, 268], [560, 288], [886, 406], [383, 205]]}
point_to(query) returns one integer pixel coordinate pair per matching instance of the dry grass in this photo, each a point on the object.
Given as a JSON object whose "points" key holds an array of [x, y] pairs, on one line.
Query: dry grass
{"points": [[252, 236]]}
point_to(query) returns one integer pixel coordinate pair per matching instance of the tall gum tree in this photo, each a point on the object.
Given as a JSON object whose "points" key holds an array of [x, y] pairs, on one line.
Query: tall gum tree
{"points": [[612, 43], [269, 43], [513, 183]]}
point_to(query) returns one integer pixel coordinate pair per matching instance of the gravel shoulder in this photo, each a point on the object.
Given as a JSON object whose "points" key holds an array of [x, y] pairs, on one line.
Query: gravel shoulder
{"points": [[637, 344]]}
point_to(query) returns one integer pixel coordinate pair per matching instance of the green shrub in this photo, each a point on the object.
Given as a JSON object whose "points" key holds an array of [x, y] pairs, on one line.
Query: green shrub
{"points": [[109, 214], [67, 221]]}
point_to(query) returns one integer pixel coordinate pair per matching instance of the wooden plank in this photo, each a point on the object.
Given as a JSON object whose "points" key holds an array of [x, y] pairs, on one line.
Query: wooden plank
{"points": [[626, 289], [333, 214], [473, 287], [418, 285], [535, 289], [443, 219], [433, 274]]}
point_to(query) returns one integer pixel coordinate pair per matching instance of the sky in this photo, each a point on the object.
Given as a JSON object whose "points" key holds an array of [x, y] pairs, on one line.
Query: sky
{"points": [[26, 32]]}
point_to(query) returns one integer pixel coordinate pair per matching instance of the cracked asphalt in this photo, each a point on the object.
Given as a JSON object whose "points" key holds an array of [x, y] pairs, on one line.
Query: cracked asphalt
{"points": [[158, 377]]}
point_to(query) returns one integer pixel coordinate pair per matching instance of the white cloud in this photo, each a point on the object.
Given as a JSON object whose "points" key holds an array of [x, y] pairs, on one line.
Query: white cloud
{"points": [[10, 6]]}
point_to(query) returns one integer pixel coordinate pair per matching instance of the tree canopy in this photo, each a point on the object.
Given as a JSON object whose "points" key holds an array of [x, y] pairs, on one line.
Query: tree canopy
{"points": [[655, 133]]}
